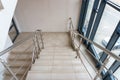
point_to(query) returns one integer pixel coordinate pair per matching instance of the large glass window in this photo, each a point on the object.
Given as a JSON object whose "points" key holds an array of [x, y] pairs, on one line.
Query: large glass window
{"points": [[101, 23], [102, 31], [106, 27], [90, 7]]}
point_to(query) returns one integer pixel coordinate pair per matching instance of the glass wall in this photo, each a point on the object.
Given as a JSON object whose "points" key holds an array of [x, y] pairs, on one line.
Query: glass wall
{"points": [[90, 7], [106, 27], [102, 28]]}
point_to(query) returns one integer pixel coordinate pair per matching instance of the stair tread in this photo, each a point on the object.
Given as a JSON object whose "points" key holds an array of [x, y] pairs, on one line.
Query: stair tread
{"points": [[15, 64], [48, 76], [19, 57], [57, 69], [8, 77], [20, 52], [33, 75], [21, 71]]}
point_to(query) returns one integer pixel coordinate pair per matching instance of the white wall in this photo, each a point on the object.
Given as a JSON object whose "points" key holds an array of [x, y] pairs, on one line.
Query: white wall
{"points": [[5, 19], [8, 42], [48, 15]]}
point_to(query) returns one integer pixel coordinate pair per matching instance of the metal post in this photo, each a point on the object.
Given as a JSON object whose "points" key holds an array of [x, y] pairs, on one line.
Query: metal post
{"points": [[41, 37]]}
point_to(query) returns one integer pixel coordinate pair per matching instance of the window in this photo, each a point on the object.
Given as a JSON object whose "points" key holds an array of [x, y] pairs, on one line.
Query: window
{"points": [[106, 27], [89, 11], [13, 31], [102, 25]]}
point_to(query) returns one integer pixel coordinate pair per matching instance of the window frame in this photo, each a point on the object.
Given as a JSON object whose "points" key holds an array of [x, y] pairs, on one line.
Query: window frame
{"points": [[16, 29], [99, 12]]}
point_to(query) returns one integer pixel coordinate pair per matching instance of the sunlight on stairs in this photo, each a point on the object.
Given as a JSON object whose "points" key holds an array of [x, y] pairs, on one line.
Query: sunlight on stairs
{"points": [[57, 61]]}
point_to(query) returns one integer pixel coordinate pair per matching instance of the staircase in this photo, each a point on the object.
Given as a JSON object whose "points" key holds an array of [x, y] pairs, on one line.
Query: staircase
{"points": [[57, 61]]}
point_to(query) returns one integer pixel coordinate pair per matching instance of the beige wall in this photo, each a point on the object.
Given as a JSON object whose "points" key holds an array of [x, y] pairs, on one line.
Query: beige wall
{"points": [[48, 15]]}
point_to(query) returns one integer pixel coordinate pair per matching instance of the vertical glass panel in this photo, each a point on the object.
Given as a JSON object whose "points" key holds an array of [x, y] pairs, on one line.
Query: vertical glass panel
{"points": [[111, 60], [116, 50], [108, 23], [90, 6], [117, 73]]}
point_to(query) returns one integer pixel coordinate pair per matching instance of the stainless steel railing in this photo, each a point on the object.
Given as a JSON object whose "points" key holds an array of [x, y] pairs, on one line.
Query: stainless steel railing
{"points": [[74, 34], [15, 65], [38, 44]]}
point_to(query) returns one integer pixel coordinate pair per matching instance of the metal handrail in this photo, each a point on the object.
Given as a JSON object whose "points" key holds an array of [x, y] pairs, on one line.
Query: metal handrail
{"points": [[73, 35], [15, 45], [41, 38], [100, 47], [37, 39], [97, 45], [22, 41], [38, 45], [71, 24]]}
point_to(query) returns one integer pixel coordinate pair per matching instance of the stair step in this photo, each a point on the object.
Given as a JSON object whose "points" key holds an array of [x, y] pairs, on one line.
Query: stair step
{"points": [[19, 57], [63, 48], [64, 63], [60, 69], [20, 52], [16, 70], [58, 61], [36, 75], [9, 77], [65, 53], [58, 53], [18, 63], [42, 68], [45, 57], [23, 47], [59, 50], [64, 57]]}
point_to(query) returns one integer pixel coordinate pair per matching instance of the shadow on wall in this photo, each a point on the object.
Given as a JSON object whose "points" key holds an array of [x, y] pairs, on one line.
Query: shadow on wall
{"points": [[1, 6]]}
